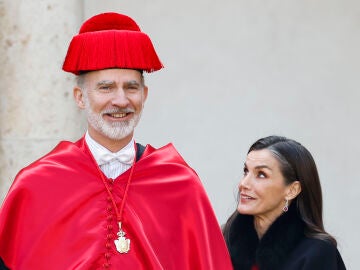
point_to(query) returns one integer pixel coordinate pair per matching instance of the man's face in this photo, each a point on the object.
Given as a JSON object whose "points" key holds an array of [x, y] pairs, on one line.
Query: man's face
{"points": [[113, 100]]}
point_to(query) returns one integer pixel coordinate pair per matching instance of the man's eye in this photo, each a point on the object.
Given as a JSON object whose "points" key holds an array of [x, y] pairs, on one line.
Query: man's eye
{"points": [[133, 87], [104, 88]]}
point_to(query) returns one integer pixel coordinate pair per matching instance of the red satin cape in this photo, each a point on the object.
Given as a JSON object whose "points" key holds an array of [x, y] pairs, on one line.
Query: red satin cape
{"points": [[58, 215]]}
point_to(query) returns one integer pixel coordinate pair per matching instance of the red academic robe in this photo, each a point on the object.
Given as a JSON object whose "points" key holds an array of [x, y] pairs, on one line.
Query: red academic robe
{"points": [[59, 216]]}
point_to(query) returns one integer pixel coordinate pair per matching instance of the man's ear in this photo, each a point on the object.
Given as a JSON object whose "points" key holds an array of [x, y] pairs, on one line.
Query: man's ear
{"points": [[79, 97], [146, 89], [145, 94], [293, 191]]}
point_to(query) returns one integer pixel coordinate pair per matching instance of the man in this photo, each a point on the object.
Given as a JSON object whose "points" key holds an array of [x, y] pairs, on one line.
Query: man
{"points": [[106, 202]]}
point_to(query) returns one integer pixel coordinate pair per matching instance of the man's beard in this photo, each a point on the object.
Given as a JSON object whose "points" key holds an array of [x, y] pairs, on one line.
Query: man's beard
{"points": [[114, 130]]}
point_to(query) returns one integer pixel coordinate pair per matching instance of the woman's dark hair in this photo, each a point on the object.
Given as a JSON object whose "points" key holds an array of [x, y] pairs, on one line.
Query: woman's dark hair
{"points": [[296, 164]]}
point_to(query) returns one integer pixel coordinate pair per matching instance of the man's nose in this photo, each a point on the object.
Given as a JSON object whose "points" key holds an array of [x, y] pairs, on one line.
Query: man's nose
{"points": [[120, 98]]}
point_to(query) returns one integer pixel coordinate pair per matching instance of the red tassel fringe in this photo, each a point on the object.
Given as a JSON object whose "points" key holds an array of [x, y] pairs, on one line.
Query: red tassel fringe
{"points": [[111, 49]]}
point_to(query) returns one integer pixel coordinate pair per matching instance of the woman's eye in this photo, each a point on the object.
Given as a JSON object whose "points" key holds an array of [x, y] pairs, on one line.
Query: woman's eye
{"points": [[261, 175], [245, 171]]}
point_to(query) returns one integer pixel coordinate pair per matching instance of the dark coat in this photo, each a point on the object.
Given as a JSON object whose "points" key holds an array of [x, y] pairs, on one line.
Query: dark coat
{"points": [[283, 247], [2, 265]]}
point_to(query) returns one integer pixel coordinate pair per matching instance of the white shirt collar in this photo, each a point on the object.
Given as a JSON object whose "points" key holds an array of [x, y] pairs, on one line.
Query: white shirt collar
{"points": [[98, 150]]}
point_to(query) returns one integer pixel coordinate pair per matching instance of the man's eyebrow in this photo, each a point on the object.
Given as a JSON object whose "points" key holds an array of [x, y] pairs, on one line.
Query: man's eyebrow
{"points": [[132, 82], [105, 82]]}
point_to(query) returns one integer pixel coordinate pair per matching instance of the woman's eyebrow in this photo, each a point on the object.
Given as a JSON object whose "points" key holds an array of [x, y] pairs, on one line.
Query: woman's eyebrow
{"points": [[263, 167], [258, 167]]}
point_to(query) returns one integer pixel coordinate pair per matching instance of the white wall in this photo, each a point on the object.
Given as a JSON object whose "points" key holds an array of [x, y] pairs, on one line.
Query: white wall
{"points": [[239, 70]]}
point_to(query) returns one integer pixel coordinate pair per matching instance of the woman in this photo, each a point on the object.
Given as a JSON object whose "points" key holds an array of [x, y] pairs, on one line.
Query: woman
{"points": [[278, 222]]}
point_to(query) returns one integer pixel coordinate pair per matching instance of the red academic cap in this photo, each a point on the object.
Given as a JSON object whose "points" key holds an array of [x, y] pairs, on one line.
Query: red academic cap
{"points": [[110, 40]]}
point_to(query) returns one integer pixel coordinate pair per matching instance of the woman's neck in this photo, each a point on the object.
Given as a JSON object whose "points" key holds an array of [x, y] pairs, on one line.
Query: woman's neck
{"points": [[262, 224]]}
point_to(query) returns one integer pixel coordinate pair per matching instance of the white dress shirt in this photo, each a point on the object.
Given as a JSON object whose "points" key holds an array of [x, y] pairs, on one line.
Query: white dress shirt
{"points": [[111, 164]]}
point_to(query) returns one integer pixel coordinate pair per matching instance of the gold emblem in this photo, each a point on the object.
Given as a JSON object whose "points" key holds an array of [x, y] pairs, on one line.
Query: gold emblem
{"points": [[122, 243]]}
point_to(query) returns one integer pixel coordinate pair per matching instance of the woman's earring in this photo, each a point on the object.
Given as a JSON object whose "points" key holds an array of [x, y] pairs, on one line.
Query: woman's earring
{"points": [[286, 206]]}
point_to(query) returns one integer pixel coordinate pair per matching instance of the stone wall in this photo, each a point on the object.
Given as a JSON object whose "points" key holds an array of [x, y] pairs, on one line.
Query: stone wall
{"points": [[37, 108]]}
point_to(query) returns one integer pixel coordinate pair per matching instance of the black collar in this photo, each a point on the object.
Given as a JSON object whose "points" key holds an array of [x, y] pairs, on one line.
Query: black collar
{"points": [[272, 250]]}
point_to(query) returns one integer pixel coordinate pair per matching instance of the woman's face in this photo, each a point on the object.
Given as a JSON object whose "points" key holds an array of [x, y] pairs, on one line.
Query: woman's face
{"points": [[262, 189]]}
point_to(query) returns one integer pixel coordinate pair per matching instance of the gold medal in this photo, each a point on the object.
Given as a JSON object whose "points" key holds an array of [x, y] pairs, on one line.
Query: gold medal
{"points": [[122, 243]]}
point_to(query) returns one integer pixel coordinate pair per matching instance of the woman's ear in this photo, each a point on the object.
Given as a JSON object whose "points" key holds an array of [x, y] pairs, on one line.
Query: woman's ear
{"points": [[294, 189], [79, 97]]}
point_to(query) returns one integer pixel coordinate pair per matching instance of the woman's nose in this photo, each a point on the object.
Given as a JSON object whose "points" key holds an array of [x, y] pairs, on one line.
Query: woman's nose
{"points": [[245, 182]]}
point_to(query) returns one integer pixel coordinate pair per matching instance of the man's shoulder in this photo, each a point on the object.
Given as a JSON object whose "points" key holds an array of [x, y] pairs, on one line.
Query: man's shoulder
{"points": [[167, 152], [63, 150], [64, 153], [67, 164], [166, 155], [167, 163]]}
